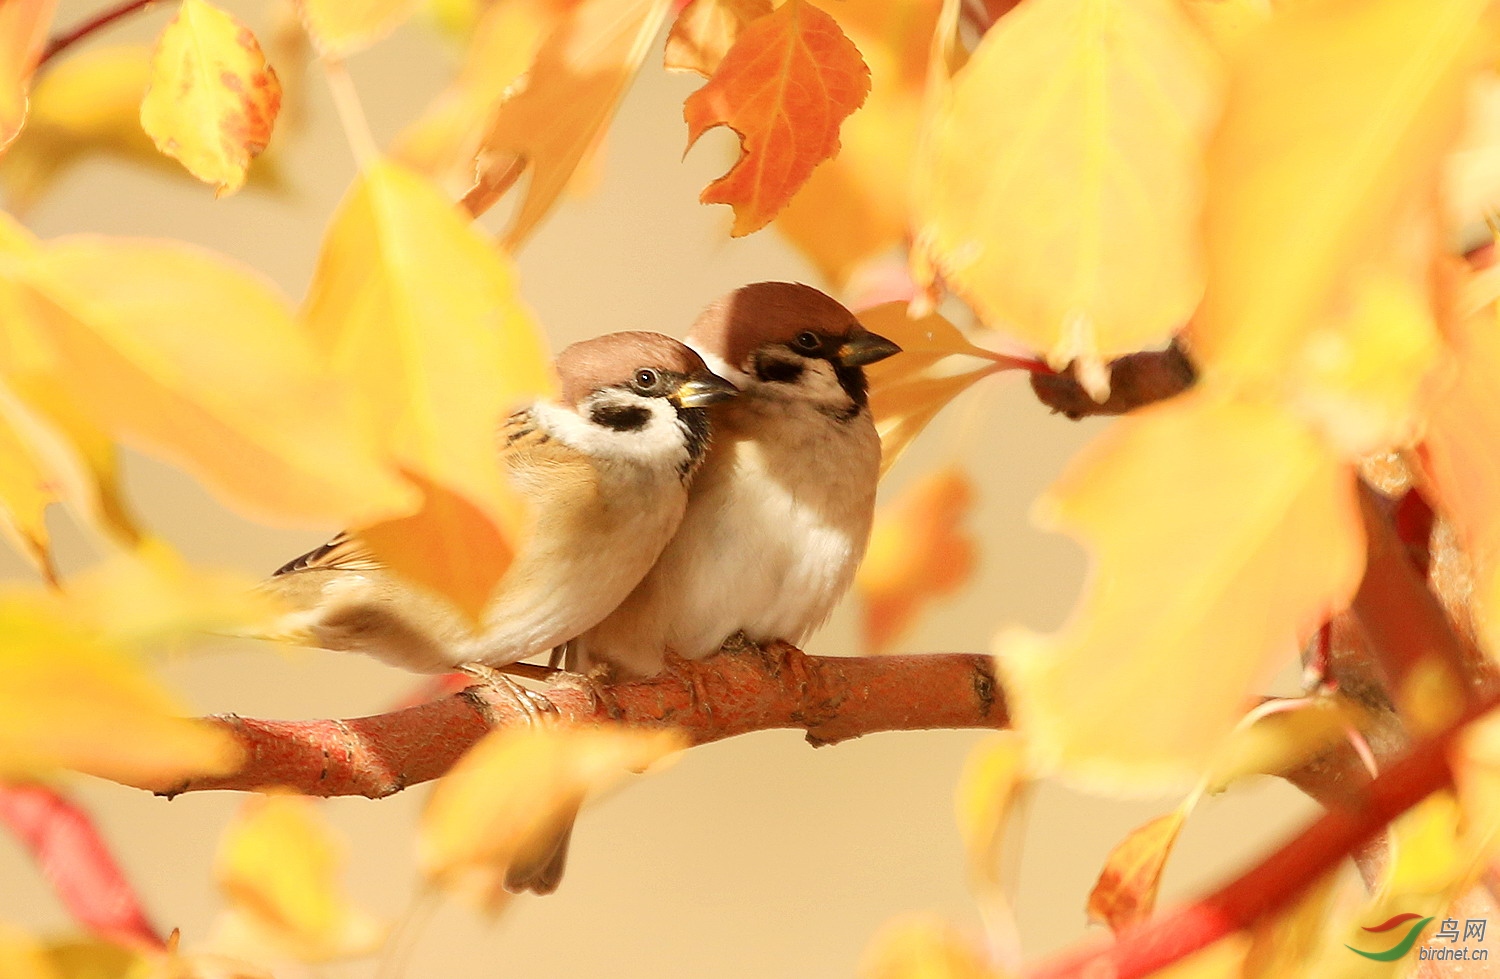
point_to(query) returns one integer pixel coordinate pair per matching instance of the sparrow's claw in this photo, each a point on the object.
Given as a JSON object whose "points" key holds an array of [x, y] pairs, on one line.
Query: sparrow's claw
{"points": [[535, 706], [689, 673], [738, 644]]}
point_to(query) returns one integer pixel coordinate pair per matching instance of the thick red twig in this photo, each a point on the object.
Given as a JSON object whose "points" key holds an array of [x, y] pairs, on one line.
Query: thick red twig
{"points": [[71, 854], [832, 698], [1277, 880]]}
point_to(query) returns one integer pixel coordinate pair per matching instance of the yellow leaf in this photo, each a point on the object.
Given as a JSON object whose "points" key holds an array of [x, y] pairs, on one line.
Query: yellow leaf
{"points": [[23, 33], [505, 800], [924, 947], [1060, 188], [74, 459], [25, 493], [705, 30], [1283, 944], [341, 27], [1223, 532], [69, 700], [554, 125], [1223, 959], [23, 957], [444, 140], [785, 88], [936, 365], [1280, 741], [244, 406], [279, 863], [212, 99], [1125, 893], [146, 597], [917, 554], [421, 315], [992, 779], [856, 206], [1338, 116], [1358, 376]]}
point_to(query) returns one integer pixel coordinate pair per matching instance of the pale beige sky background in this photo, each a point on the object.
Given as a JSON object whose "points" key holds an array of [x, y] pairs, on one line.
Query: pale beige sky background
{"points": [[752, 858]]}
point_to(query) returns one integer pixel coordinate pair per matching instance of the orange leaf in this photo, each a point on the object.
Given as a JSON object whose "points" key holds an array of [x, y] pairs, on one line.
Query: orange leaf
{"points": [[1060, 187], [420, 314], [917, 554], [341, 27], [936, 365], [705, 30], [1337, 121], [450, 546], [212, 99], [857, 206], [1125, 893], [785, 87], [553, 126], [23, 32], [1223, 533]]}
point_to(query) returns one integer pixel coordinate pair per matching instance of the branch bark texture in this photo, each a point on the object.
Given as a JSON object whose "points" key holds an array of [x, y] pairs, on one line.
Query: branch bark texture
{"points": [[832, 698]]}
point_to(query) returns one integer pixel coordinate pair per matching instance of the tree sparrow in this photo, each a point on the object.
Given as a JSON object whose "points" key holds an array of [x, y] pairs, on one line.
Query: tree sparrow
{"points": [[604, 471], [779, 514]]}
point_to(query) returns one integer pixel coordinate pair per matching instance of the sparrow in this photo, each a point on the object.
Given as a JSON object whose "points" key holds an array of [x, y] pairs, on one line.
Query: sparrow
{"points": [[779, 514], [604, 470]]}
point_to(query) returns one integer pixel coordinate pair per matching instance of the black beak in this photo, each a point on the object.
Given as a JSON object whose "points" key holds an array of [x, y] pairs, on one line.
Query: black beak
{"points": [[864, 347], [702, 390]]}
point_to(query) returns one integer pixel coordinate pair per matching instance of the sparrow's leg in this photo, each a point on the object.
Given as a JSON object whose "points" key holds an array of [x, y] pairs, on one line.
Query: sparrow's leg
{"points": [[532, 704]]}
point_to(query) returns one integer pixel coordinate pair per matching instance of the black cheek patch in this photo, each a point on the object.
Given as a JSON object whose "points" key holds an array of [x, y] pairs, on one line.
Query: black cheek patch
{"points": [[781, 371], [621, 418]]}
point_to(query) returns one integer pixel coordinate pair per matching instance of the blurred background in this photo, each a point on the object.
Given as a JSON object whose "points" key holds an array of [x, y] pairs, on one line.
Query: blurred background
{"points": [[754, 857]]}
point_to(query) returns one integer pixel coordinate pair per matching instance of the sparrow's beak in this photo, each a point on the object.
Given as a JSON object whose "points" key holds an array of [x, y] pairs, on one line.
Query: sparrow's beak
{"points": [[702, 390], [864, 347]]}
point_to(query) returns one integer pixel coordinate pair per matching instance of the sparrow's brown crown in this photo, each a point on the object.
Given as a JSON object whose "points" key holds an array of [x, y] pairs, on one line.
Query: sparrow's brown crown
{"points": [[768, 312], [614, 359]]}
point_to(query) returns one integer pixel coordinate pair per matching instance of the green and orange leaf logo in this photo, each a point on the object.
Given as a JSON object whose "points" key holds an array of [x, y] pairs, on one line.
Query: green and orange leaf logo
{"points": [[1401, 947]]}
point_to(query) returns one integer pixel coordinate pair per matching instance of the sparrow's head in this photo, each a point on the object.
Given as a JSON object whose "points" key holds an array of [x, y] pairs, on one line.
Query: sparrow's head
{"points": [[789, 341], [638, 396]]}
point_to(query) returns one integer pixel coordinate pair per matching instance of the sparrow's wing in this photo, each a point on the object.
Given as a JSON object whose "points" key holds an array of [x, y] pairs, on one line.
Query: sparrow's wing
{"points": [[344, 553]]}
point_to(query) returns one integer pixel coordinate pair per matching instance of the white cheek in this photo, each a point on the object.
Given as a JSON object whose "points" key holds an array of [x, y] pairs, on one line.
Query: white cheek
{"points": [[721, 367], [660, 441]]}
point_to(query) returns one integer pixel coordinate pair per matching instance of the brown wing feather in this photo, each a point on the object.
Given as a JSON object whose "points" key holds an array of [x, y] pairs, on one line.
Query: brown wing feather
{"points": [[344, 553]]}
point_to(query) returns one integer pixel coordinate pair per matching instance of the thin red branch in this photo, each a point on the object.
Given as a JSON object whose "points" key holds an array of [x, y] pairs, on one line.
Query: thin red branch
{"points": [[1278, 879], [76, 860], [61, 42], [832, 698]]}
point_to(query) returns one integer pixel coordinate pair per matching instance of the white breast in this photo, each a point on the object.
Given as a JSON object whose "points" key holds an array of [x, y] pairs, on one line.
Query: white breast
{"points": [[775, 527]]}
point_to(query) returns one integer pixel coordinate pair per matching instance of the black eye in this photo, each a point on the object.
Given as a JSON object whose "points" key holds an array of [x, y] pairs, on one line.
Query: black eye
{"points": [[808, 340], [646, 380]]}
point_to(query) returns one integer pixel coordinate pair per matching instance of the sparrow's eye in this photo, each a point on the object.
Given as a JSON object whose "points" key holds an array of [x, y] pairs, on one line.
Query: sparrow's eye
{"points": [[808, 340], [647, 380]]}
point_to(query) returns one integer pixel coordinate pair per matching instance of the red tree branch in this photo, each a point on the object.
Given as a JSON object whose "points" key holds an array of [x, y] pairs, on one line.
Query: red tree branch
{"points": [[61, 42], [832, 698], [1278, 879], [76, 860]]}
